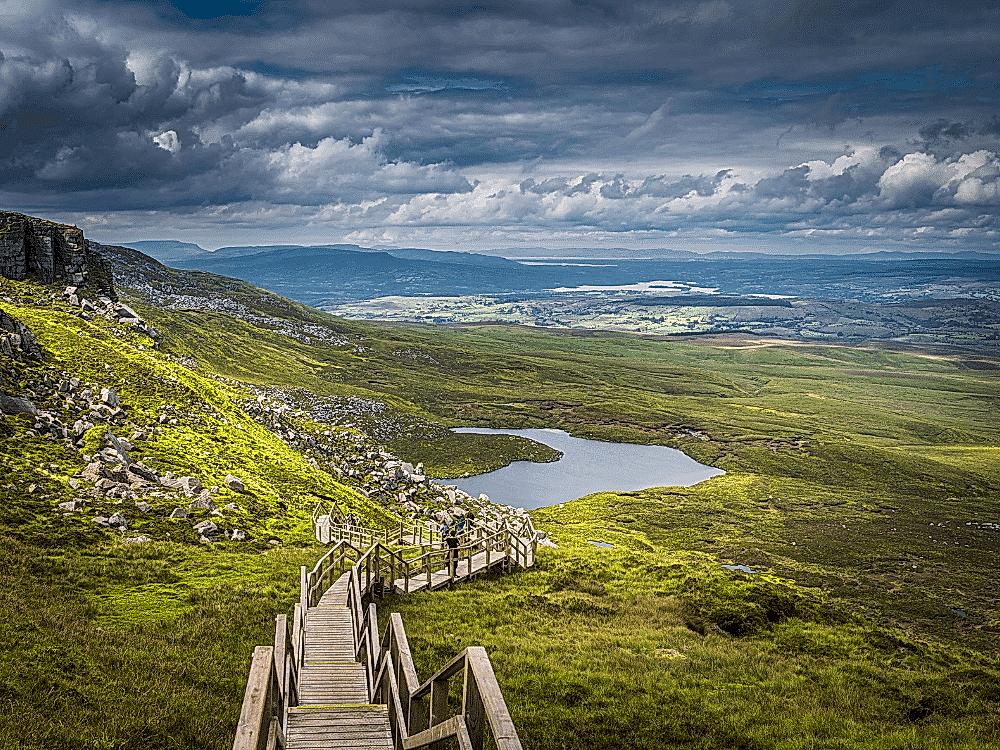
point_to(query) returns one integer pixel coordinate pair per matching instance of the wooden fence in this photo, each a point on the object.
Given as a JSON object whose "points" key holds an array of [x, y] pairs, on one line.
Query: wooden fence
{"points": [[418, 712], [326, 531]]}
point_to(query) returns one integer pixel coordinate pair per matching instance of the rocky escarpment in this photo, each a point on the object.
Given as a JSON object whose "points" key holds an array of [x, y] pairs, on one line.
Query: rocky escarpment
{"points": [[17, 341], [49, 253]]}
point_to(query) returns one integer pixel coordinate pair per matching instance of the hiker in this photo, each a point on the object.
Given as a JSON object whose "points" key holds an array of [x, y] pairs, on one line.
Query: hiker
{"points": [[460, 526], [452, 540]]}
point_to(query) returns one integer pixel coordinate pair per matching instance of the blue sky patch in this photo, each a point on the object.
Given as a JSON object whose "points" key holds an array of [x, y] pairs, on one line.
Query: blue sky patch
{"points": [[428, 83]]}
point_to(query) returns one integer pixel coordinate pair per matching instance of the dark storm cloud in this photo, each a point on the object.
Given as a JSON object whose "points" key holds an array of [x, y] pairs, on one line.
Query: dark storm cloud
{"points": [[83, 125], [604, 43], [740, 116]]}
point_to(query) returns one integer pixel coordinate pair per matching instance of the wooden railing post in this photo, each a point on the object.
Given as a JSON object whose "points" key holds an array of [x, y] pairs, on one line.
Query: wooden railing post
{"points": [[491, 699], [374, 650], [303, 589], [298, 639], [439, 701], [473, 709], [280, 649], [258, 702], [275, 737]]}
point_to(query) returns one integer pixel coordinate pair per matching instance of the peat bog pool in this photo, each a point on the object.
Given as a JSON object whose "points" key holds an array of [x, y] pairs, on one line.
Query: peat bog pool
{"points": [[587, 466]]}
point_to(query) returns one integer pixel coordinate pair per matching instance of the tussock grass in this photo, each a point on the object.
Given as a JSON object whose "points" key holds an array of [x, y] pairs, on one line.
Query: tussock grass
{"points": [[606, 648], [839, 460], [92, 658]]}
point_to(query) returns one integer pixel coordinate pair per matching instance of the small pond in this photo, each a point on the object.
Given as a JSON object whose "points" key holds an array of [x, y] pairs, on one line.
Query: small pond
{"points": [[587, 466], [740, 568]]}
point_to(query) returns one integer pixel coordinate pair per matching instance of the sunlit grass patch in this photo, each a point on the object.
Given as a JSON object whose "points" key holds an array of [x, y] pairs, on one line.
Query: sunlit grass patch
{"points": [[635, 661], [120, 606]]}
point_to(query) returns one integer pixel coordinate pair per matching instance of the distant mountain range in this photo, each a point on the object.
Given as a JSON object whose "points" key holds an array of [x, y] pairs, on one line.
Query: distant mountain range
{"points": [[167, 251], [327, 274], [170, 250]]}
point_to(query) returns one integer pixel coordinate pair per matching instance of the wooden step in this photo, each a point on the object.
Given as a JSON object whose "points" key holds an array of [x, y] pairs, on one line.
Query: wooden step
{"points": [[332, 684], [328, 727]]}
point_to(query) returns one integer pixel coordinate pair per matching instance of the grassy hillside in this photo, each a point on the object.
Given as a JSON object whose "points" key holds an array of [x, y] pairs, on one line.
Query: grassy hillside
{"points": [[861, 485]]}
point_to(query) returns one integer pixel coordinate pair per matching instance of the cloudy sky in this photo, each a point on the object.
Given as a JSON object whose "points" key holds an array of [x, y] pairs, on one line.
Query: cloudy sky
{"points": [[738, 124]]}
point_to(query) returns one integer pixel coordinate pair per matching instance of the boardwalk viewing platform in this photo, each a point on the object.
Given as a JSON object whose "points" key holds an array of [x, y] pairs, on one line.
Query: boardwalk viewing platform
{"points": [[331, 681]]}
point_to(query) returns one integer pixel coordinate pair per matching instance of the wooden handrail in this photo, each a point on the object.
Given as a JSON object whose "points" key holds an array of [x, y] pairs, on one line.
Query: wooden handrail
{"points": [[365, 536], [418, 712], [423, 708], [260, 702], [454, 727]]}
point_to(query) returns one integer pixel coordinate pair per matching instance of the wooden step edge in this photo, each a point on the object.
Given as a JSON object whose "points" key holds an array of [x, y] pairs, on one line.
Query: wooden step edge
{"points": [[303, 709], [331, 663]]}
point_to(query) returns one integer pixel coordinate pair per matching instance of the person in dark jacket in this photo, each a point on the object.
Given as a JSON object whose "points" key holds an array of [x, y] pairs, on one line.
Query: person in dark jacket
{"points": [[452, 541]]}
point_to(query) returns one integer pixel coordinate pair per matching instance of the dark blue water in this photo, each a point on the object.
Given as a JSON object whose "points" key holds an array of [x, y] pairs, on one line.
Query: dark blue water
{"points": [[587, 466]]}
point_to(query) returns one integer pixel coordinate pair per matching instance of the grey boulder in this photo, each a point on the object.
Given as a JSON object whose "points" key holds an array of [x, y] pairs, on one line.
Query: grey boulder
{"points": [[234, 483], [16, 405]]}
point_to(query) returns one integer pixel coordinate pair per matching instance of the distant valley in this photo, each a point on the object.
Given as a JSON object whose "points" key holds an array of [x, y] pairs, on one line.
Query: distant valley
{"points": [[918, 298]]}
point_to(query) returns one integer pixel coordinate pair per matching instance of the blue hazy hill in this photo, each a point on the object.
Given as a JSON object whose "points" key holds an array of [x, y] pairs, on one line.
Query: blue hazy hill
{"points": [[320, 274]]}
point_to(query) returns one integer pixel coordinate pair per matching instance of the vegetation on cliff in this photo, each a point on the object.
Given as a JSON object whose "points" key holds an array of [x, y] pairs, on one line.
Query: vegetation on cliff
{"points": [[861, 486]]}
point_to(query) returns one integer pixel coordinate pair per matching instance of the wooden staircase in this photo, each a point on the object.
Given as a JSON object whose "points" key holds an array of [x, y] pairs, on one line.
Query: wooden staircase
{"points": [[334, 710], [329, 681]]}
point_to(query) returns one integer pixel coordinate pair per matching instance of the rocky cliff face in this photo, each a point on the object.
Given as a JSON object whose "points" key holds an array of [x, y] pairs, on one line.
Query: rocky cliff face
{"points": [[17, 341], [50, 252]]}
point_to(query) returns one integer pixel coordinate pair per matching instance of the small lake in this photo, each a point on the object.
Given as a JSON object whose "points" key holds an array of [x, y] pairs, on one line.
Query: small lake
{"points": [[587, 466]]}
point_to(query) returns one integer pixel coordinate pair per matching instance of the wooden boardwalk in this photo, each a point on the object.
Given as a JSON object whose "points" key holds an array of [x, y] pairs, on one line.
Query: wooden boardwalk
{"points": [[441, 578], [334, 708], [330, 681]]}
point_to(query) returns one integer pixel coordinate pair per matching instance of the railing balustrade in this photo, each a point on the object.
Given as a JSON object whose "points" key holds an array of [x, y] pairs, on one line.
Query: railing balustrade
{"points": [[418, 712]]}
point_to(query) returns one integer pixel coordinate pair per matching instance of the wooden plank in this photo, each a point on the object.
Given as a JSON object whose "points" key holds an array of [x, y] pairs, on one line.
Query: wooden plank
{"points": [[329, 713], [255, 714], [502, 726], [379, 739], [372, 726], [453, 727], [373, 743]]}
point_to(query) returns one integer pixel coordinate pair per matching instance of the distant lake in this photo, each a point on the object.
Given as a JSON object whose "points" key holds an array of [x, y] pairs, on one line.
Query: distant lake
{"points": [[587, 466]]}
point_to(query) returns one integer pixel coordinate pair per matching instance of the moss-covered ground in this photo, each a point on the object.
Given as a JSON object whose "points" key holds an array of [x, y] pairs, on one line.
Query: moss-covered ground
{"points": [[861, 486]]}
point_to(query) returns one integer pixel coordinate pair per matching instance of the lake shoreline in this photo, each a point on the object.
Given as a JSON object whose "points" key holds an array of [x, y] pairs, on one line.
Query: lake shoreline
{"points": [[586, 467]]}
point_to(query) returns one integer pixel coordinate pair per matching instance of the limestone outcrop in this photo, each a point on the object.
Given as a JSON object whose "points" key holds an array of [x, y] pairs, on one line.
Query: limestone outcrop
{"points": [[17, 341], [49, 252]]}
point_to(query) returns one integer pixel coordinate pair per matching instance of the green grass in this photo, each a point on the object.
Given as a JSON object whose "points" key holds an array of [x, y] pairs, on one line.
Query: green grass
{"points": [[660, 649], [838, 461], [96, 655]]}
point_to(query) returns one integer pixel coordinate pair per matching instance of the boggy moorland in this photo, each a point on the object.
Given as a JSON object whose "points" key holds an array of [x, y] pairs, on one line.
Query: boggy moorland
{"points": [[862, 486]]}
